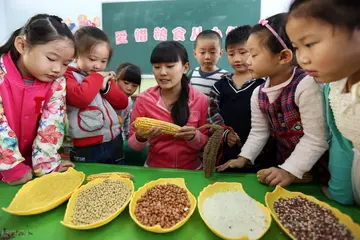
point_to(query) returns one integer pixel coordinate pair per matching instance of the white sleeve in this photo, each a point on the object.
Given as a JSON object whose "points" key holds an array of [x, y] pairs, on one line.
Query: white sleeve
{"points": [[259, 133], [313, 144]]}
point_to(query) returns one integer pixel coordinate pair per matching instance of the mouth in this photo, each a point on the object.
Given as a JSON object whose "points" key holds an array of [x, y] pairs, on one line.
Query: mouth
{"points": [[239, 65], [52, 77], [312, 73], [164, 81]]}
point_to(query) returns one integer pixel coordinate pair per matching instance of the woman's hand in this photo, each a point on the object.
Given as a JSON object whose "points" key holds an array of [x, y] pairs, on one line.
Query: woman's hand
{"points": [[143, 136], [186, 132]]}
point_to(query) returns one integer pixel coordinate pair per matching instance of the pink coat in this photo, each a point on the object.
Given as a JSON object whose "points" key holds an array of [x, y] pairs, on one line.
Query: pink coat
{"points": [[165, 151], [31, 123]]}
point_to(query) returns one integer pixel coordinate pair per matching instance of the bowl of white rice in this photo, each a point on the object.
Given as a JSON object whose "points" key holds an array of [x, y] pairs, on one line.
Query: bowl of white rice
{"points": [[232, 214]]}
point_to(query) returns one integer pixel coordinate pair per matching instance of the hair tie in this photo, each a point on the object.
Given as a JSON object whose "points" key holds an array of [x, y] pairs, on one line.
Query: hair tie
{"points": [[265, 23]]}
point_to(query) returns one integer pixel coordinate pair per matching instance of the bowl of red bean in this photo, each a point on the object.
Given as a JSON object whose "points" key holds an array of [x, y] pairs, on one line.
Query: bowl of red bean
{"points": [[163, 205], [304, 217]]}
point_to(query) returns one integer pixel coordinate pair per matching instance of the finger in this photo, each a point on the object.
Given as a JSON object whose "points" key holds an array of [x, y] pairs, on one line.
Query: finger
{"points": [[264, 175], [277, 180], [223, 167], [270, 177]]}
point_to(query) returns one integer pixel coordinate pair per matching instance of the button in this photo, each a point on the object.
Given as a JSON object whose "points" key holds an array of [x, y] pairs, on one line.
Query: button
{"points": [[283, 125], [280, 115], [25, 141], [26, 117]]}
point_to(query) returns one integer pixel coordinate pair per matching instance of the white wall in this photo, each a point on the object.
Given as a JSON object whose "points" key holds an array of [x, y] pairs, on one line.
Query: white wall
{"points": [[3, 27], [18, 11]]}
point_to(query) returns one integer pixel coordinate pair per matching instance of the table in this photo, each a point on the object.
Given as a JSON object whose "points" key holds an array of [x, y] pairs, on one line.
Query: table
{"points": [[47, 225]]}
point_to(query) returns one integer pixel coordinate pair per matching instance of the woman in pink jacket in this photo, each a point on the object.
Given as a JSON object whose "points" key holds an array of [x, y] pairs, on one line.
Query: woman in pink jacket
{"points": [[32, 98], [175, 101]]}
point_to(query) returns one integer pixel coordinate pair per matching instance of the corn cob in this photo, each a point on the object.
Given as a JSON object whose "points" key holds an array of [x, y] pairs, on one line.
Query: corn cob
{"points": [[143, 123], [212, 148], [306, 178], [109, 174]]}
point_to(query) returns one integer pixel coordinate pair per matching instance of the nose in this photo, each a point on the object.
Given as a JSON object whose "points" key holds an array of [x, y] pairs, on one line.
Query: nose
{"points": [[207, 55], [56, 68], [163, 71], [302, 58], [97, 66], [248, 61]]}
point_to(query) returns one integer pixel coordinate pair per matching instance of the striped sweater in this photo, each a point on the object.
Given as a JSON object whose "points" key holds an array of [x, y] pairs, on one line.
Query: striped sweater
{"points": [[203, 81]]}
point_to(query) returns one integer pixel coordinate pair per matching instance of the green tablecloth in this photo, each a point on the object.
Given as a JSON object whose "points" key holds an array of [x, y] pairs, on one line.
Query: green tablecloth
{"points": [[47, 225]]}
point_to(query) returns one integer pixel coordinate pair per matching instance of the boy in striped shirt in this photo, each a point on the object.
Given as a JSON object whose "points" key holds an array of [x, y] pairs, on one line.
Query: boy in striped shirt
{"points": [[207, 51]]}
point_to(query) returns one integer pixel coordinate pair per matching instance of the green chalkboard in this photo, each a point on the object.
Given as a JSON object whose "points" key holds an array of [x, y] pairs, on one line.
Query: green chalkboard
{"points": [[135, 28]]}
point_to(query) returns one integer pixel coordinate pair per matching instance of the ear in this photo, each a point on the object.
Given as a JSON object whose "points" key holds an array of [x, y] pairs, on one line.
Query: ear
{"points": [[186, 67], [221, 52], [285, 56], [20, 44], [194, 52]]}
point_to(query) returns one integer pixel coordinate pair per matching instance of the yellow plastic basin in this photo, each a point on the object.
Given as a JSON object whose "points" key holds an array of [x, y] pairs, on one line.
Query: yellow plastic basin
{"points": [[45, 193], [219, 187], [162, 181], [71, 204], [280, 192]]}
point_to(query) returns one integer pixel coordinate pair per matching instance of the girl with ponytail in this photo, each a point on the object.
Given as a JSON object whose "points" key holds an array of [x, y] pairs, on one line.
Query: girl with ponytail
{"points": [[175, 101], [32, 98]]}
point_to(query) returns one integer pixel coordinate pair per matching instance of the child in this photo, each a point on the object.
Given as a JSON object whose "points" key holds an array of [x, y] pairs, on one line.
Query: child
{"points": [[92, 99], [32, 98], [128, 79], [175, 101], [207, 51], [234, 91], [288, 107], [326, 36]]}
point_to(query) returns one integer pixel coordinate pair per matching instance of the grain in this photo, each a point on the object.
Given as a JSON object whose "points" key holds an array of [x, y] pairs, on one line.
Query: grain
{"points": [[234, 214], [100, 201], [307, 220]]}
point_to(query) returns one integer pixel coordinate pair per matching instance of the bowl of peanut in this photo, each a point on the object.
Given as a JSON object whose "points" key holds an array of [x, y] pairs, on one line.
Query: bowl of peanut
{"points": [[163, 205], [98, 202]]}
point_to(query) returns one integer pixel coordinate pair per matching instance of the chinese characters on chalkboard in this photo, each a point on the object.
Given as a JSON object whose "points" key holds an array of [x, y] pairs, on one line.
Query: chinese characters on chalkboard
{"points": [[161, 34]]}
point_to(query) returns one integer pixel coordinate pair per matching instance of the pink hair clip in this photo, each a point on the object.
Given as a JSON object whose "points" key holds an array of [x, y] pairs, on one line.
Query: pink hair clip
{"points": [[90, 23], [265, 23]]}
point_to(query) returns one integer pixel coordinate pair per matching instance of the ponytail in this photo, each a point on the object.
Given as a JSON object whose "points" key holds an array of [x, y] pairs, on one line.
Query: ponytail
{"points": [[10, 47], [40, 29], [180, 111]]}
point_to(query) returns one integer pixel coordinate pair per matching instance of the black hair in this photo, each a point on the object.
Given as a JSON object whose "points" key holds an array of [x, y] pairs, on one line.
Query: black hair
{"points": [[277, 22], [336, 12], [238, 35], [129, 72], [39, 29], [87, 37], [208, 34], [172, 51]]}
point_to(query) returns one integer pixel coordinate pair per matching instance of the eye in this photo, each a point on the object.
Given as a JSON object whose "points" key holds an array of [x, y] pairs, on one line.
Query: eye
{"points": [[170, 66], [50, 59], [91, 59], [104, 61], [156, 67], [309, 45]]}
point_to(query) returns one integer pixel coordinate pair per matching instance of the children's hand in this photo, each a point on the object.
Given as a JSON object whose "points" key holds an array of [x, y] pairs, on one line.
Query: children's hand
{"points": [[143, 136], [234, 163], [107, 74], [64, 165], [276, 176], [186, 132], [232, 139], [27, 177]]}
